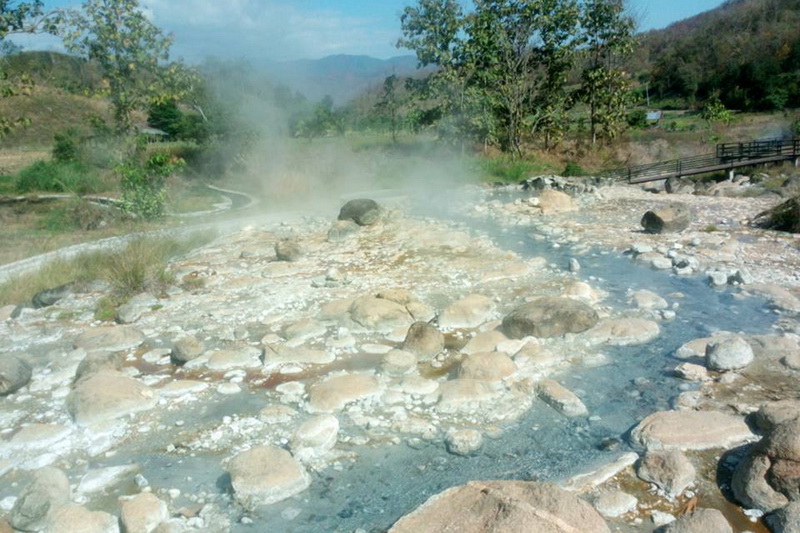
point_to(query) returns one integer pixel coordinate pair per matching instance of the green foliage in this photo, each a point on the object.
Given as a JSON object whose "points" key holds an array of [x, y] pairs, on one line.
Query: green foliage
{"points": [[573, 169], [127, 47], [637, 118], [796, 127], [507, 169], [54, 176], [715, 111], [66, 146], [143, 183], [77, 214], [166, 116]]}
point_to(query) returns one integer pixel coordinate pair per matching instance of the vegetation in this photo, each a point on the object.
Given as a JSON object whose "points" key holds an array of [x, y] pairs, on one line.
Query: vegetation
{"points": [[139, 266]]}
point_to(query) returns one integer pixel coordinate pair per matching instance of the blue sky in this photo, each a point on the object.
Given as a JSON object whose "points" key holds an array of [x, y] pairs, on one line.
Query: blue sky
{"points": [[293, 29]]}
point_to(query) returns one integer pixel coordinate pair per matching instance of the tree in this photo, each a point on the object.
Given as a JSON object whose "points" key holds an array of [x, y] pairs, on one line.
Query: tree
{"points": [[520, 53], [129, 49], [608, 39], [389, 104]]}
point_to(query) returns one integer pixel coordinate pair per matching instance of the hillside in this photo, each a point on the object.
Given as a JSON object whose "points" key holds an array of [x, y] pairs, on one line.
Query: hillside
{"points": [[745, 51]]}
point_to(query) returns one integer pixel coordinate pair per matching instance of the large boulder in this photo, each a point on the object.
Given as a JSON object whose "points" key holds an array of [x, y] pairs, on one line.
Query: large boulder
{"points": [[48, 490], [15, 373], [266, 474], [729, 353], [750, 485], [142, 513], [561, 398], [362, 211], [507, 506], [288, 250], [552, 202], [187, 349], [690, 430], [624, 332], [73, 518], [549, 317], [488, 366], [110, 339], [49, 297], [672, 218], [679, 186], [337, 391], [107, 396], [315, 436]]}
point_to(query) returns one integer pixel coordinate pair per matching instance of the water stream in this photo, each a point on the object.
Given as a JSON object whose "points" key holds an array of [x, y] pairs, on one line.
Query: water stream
{"points": [[387, 482]]}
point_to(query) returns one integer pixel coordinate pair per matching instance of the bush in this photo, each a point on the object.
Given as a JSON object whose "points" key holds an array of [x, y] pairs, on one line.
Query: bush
{"points": [[573, 169], [637, 118], [143, 184], [67, 146], [55, 176], [78, 214]]}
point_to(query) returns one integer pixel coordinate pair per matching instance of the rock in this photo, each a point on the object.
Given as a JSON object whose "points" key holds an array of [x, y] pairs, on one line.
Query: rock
{"points": [[277, 414], [561, 399], [133, 309], [669, 470], [48, 490], [690, 430], [107, 396], [399, 363], [315, 436], [242, 357], [305, 329], [288, 250], [49, 297], [335, 392], [465, 395], [379, 314], [679, 186], [98, 362], [549, 317], [615, 504], [142, 513], [464, 441], [282, 354], [648, 300], [694, 349], [700, 521], [468, 312], [265, 474], [110, 339], [750, 486], [424, 340], [187, 349], [486, 341], [783, 442], [503, 506], [15, 373], [772, 414], [574, 265], [101, 479], [487, 366], [73, 518], [342, 230], [730, 353], [785, 520], [362, 211], [552, 202], [691, 372], [624, 332], [673, 218], [784, 476]]}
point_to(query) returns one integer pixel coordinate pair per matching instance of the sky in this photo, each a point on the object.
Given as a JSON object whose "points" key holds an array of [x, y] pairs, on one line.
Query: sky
{"points": [[311, 29]]}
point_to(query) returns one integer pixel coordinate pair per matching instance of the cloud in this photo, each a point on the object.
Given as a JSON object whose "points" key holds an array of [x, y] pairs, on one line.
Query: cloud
{"points": [[259, 30]]}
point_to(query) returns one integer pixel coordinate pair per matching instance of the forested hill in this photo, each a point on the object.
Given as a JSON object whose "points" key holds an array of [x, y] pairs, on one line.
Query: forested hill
{"points": [[747, 52]]}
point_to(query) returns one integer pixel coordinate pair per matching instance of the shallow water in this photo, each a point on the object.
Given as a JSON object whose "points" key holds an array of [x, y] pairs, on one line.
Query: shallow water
{"points": [[389, 481]]}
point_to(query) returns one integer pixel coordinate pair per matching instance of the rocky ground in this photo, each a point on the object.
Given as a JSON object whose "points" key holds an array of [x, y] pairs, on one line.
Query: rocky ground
{"points": [[287, 350]]}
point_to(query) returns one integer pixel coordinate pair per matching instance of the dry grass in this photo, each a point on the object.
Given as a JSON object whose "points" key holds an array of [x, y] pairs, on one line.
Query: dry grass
{"points": [[143, 265]]}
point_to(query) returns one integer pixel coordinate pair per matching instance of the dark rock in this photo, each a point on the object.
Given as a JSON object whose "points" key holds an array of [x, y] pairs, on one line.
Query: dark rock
{"points": [[673, 218], [782, 217], [48, 490], [750, 486], [549, 317], [288, 250], [49, 297], [187, 349], [362, 211], [14, 374], [785, 520], [784, 476]]}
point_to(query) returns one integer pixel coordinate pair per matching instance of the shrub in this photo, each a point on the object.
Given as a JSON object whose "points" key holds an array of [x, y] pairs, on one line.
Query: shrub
{"points": [[66, 146], [637, 118], [573, 169], [143, 184], [54, 176]]}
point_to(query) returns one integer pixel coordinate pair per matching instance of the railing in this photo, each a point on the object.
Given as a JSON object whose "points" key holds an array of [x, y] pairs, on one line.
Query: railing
{"points": [[726, 157]]}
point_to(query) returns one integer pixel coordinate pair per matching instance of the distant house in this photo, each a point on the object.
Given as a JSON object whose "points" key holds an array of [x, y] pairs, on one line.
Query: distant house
{"points": [[654, 117]]}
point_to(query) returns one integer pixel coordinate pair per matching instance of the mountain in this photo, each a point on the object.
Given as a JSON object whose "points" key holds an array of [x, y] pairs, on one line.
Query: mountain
{"points": [[746, 52], [343, 77]]}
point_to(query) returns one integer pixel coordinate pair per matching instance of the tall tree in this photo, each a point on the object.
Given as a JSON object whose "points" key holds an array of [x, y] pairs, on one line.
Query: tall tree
{"points": [[129, 49], [521, 52], [608, 35]]}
